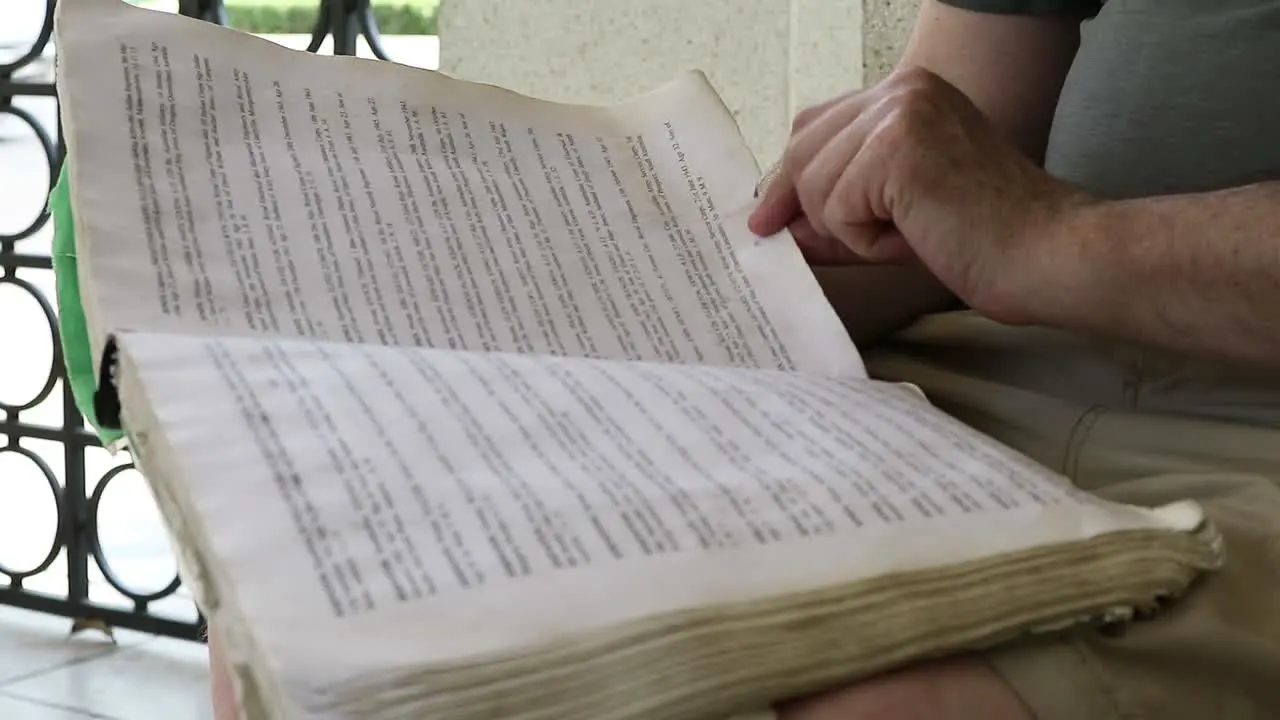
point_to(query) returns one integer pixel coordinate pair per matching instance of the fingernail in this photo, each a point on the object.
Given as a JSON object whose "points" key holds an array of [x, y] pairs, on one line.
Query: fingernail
{"points": [[769, 176]]}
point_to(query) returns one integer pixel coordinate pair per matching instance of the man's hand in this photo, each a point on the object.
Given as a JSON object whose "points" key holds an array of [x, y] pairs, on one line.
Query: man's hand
{"points": [[911, 170], [959, 689]]}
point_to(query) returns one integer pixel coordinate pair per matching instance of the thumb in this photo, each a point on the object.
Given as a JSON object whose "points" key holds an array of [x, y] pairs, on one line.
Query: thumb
{"points": [[778, 205], [878, 243], [820, 249]]}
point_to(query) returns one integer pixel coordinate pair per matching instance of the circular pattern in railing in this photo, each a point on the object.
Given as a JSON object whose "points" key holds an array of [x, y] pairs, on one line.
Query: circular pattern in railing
{"points": [[38, 44], [20, 69], [20, 515], [76, 523], [50, 157], [141, 597], [25, 368]]}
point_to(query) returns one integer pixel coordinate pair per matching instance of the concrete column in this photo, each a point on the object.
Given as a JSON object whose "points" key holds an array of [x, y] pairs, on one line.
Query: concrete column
{"points": [[767, 58], [887, 24]]}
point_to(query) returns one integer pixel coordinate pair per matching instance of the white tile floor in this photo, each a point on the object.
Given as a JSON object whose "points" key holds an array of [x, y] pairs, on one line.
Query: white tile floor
{"points": [[46, 675]]}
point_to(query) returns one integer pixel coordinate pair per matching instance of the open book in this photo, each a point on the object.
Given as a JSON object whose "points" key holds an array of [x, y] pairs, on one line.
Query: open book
{"points": [[462, 405]]}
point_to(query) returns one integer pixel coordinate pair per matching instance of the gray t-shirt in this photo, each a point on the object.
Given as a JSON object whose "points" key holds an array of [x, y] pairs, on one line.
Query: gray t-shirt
{"points": [[1165, 96]]}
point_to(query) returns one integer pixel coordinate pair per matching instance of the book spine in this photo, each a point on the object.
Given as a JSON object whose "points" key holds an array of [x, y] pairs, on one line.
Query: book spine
{"points": [[106, 398]]}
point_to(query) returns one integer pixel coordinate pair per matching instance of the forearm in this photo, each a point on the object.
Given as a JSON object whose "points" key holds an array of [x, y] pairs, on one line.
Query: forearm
{"points": [[1198, 274], [876, 300], [1011, 66]]}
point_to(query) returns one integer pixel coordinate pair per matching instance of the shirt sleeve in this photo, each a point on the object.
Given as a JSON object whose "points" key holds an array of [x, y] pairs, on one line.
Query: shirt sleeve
{"points": [[1030, 7]]}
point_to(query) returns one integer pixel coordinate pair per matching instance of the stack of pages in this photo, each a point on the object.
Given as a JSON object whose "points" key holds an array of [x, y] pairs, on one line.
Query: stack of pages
{"points": [[463, 405]]}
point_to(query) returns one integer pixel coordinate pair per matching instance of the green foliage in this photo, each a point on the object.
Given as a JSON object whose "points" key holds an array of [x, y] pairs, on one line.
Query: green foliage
{"points": [[402, 17]]}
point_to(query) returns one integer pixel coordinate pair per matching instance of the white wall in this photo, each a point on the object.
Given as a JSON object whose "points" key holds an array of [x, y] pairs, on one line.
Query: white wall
{"points": [[768, 58]]}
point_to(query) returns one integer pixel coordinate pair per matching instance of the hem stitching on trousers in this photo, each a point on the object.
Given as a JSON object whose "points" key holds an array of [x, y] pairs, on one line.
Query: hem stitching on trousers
{"points": [[1075, 439]]}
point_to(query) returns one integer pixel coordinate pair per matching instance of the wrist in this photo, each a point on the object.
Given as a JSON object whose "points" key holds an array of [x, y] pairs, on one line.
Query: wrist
{"points": [[1095, 247], [1061, 267]]}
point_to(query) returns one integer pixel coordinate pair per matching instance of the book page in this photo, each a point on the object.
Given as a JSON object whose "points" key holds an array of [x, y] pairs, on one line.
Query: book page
{"points": [[224, 184], [427, 506]]}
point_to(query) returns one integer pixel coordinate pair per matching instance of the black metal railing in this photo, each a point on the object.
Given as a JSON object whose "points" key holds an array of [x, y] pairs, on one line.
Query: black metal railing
{"points": [[77, 536]]}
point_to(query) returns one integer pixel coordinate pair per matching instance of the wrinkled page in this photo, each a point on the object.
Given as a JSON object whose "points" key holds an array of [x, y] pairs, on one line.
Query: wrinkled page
{"points": [[223, 184], [427, 506]]}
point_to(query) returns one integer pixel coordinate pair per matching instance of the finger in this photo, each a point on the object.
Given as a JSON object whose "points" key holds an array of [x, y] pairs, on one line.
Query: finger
{"points": [[859, 214], [855, 202], [802, 230], [778, 207], [809, 140], [818, 249], [806, 116], [824, 250], [801, 120], [767, 179], [888, 247], [829, 252], [816, 185], [885, 246]]}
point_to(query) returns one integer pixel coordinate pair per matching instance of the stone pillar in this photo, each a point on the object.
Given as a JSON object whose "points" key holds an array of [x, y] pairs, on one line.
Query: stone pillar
{"points": [[887, 25], [767, 58]]}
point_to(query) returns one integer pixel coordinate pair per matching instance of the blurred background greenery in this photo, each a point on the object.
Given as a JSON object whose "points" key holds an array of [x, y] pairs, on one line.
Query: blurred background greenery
{"points": [[286, 17]]}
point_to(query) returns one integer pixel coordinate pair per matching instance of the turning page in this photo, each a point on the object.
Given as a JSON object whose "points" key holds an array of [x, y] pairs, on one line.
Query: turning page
{"points": [[427, 507], [224, 184]]}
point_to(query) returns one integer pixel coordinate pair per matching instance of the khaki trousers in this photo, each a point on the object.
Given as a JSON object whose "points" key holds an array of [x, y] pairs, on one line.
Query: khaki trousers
{"points": [[1142, 428]]}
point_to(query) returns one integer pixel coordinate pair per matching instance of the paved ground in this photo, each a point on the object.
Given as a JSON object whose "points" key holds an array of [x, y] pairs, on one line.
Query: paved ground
{"points": [[45, 675]]}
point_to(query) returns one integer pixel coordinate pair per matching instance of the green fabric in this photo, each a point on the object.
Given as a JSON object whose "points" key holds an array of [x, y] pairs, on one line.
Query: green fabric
{"points": [[1029, 7], [77, 354]]}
